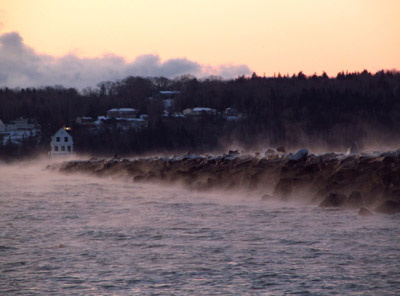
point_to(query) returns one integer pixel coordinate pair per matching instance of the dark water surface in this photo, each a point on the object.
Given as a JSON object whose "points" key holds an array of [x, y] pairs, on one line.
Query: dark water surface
{"points": [[75, 235]]}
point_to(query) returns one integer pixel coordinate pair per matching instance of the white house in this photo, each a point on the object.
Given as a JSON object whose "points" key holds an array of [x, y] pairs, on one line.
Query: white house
{"points": [[61, 143]]}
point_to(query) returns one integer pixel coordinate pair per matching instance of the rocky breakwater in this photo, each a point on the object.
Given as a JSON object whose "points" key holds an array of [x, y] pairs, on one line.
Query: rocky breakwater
{"points": [[339, 180]]}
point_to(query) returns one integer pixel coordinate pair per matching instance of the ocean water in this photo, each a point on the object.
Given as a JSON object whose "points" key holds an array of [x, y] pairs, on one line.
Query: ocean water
{"points": [[79, 235]]}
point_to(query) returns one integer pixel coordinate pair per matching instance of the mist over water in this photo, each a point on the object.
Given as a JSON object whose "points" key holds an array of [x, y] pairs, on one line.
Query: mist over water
{"points": [[79, 235]]}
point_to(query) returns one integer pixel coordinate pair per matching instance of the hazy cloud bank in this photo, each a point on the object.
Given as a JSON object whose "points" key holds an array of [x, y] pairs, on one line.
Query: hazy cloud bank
{"points": [[21, 66]]}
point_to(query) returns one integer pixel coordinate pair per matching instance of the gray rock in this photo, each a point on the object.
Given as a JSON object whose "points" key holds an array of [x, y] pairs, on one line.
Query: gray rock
{"points": [[333, 200], [233, 152], [301, 154], [286, 156], [364, 212], [391, 154], [273, 156], [389, 207], [398, 153], [355, 200], [267, 197], [284, 188], [282, 149], [269, 152], [354, 148]]}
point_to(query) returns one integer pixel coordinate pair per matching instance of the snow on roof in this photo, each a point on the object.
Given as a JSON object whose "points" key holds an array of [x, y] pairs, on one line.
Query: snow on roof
{"points": [[177, 115], [100, 119], [169, 92], [122, 110], [200, 109], [62, 131], [130, 119]]}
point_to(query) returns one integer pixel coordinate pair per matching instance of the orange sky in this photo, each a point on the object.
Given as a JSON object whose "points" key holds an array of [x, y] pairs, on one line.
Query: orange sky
{"points": [[267, 35]]}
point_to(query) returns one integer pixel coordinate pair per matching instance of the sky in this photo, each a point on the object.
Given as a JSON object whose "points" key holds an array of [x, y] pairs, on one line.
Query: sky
{"points": [[82, 42]]}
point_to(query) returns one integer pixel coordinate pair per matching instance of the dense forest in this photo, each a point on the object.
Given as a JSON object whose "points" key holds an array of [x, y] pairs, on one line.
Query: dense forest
{"points": [[314, 111]]}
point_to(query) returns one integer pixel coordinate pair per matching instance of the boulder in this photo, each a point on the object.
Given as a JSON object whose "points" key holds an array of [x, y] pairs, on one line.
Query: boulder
{"points": [[269, 152], [138, 178], [388, 207], [333, 200], [375, 193], [211, 182], [327, 157], [299, 155], [286, 157], [267, 197], [364, 212], [273, 156], [355, 200], [394, 193], [284, 188], [353, 148], [390, 154], [233, 152], [282, 149]]}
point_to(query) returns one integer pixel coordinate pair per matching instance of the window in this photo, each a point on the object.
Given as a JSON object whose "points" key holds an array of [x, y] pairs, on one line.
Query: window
{"points": [[69, 148], [57, 139], [65, 139], [62, 148], [55, 148]]}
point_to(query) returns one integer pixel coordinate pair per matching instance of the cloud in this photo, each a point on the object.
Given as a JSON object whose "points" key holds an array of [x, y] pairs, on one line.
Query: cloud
{"points": [[2, 18], [21, 66]]}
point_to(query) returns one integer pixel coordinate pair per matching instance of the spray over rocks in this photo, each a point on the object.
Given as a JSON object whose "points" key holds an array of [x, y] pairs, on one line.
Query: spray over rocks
{"points": [[334, 180]]}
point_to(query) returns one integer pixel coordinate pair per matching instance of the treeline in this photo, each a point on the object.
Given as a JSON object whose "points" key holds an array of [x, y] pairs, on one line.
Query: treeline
{"points": [[291, 111]]}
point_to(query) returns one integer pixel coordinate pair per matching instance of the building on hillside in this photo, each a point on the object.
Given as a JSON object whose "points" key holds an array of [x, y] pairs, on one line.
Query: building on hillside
{"points": [[169, 93], [19, 130], [204, 111], [61, 143], [2, 126], [23, 124], [124, 118], [122, 113], [3, 133], [168, 97], [231, 114], [85, 120], [187, 112]]}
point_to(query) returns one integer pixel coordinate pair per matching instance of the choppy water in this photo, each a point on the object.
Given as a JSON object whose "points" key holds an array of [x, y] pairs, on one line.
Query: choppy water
{"points": [[74, 235]]}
